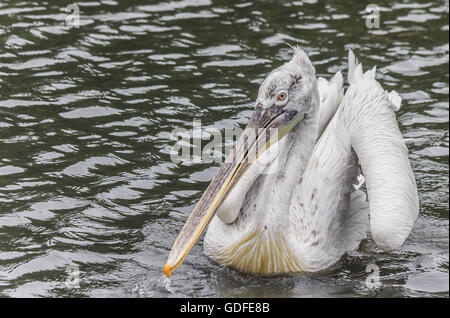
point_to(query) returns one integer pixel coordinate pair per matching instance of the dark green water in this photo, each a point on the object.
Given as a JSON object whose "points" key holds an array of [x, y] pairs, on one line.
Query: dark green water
{"points": [[86, 114]]}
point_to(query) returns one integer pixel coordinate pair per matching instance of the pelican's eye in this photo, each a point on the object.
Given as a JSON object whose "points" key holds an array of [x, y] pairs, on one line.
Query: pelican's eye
{"points": [[281, 96]]}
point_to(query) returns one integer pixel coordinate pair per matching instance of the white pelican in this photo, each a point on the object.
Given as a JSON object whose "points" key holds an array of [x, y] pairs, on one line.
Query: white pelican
{"points": [[306, 213]]}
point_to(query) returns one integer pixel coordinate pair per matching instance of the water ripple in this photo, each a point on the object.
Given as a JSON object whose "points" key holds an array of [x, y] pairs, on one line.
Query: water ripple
{"points": [[86, 113]]}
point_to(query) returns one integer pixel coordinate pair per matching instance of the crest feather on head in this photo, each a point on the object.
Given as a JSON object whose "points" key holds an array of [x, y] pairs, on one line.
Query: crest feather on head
{"points": [[301, 60]]}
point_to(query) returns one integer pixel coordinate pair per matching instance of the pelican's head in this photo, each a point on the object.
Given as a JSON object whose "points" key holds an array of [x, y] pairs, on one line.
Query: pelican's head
{"points": [[288, 89], [284, 99]]}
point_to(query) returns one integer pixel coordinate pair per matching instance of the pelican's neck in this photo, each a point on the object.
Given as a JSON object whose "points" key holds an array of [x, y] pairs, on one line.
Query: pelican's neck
{"points": [[295, 151]]}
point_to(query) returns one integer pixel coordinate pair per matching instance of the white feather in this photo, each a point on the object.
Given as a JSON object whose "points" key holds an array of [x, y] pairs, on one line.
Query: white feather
{"points": [[352, 64], [395, 99], [369, 119], [331, 93]]}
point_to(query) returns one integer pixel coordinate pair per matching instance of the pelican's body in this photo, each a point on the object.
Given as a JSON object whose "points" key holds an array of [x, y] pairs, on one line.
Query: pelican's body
{"points": [[298, 210]]}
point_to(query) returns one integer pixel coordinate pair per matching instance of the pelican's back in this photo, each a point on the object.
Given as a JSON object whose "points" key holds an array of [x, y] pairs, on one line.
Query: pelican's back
{"points": [[328, 216]]}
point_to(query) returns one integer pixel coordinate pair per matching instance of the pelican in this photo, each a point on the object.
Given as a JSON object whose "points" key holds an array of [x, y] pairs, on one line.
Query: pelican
{"points": [[300, 210]]}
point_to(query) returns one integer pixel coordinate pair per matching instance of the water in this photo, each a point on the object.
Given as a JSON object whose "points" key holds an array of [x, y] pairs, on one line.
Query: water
{"points": [[85, 115]]}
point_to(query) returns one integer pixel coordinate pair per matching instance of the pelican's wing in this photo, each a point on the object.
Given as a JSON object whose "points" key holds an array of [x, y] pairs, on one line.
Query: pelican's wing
{"points": [[331, 93], [355, 74], [368, 110]]}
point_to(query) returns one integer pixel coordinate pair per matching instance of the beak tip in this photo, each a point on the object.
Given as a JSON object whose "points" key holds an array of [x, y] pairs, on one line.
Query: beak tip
{"points": [[167, 268]]}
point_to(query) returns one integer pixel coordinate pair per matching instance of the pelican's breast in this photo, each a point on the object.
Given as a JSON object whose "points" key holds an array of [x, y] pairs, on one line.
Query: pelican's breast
{"points": [[259, 252]]}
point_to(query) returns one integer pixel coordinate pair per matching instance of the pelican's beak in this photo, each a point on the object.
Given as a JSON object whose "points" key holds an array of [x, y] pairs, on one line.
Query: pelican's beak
{"points": [[265, 128]]}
